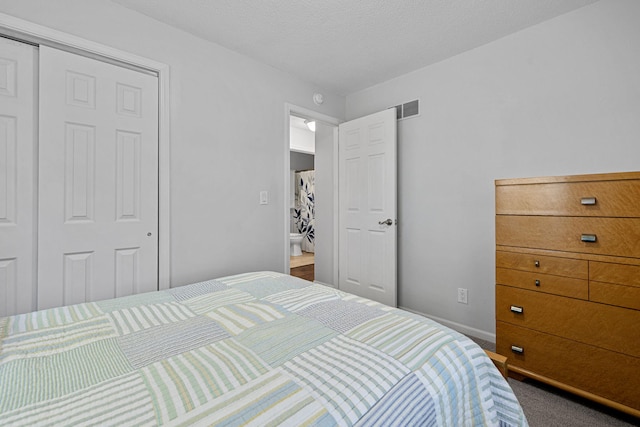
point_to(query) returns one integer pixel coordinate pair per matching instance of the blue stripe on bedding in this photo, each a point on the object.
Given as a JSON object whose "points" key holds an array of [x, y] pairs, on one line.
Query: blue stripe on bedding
{"points": [[160, 342], [407, 404]]}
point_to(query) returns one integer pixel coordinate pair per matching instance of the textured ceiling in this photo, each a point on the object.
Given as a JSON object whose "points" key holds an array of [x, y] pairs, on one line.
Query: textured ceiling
{"points": [[348, 45]]}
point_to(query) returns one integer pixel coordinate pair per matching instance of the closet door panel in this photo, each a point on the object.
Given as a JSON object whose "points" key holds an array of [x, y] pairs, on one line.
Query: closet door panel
{"points": [[18, 131], [99, 180]]}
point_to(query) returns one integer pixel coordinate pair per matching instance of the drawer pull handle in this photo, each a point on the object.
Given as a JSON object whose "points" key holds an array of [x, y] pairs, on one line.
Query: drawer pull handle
{"points": [[537, 282], [517, 309], [517, 349], [536, 263], [588, 201], [589, 238]]}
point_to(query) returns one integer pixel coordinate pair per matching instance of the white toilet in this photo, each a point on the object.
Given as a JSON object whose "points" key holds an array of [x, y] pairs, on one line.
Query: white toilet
{"points": [[294, 244]]}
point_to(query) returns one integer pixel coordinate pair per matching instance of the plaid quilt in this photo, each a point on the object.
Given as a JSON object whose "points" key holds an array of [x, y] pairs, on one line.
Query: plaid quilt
{"points": [[252, 349]]}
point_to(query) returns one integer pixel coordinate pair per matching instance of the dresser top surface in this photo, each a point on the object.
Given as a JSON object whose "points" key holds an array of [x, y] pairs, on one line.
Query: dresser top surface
{"points": [[616, 176]]}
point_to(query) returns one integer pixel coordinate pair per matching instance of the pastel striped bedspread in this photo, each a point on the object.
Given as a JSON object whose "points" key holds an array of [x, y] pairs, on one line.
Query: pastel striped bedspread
{"points": [[252, 349]]}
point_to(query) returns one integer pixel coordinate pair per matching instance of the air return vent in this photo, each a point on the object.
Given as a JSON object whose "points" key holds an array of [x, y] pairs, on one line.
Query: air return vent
{"points": [[408, 109]]}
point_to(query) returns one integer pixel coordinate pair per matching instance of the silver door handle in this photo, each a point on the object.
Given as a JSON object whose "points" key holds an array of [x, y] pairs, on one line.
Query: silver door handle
{"points": [[389, 221]]}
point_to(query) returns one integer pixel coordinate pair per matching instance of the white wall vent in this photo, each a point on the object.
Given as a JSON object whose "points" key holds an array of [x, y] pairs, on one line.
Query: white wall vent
{"points": [[408, 109]]}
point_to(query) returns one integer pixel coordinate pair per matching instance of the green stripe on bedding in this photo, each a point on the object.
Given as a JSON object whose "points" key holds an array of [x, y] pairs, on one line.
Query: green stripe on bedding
{"points": [[238, 317], [4, 329], [134, 319], [205, 303], [59, 374], [45, 342], [270, 285], [119, 401], [53, 317], [270, 400], [134, 301], [258, 276], [409, 341], [299, 299], [191, 379], [283, 339]]}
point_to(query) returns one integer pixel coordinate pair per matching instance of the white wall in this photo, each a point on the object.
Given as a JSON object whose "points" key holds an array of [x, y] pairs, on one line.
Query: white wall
{"points": [[562, 97], [302, 140], [227, 126]]}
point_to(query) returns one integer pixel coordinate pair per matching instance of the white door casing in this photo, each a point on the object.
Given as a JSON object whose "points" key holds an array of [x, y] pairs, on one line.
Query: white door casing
{"points": [[368, 205], [18, 131], [98, 180]]}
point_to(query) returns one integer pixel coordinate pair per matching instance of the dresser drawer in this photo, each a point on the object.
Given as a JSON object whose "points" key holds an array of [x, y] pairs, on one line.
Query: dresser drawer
{"points": [[558, 285], [613, 236], [543, 264], [616, 284], [618, 295], [605, 373], [621, 274], [601, 198], [605, 326]]}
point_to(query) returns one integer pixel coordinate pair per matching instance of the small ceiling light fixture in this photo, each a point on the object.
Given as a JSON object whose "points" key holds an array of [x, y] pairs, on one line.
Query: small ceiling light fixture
{"points": [[318, 98], [311, 125]]}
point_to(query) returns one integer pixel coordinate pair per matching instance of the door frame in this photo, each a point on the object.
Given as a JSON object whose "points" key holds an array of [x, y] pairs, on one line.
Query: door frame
{"points": [[296, 110], [30, 32]]}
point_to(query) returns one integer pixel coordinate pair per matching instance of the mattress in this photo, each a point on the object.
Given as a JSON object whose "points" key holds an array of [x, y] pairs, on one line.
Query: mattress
{"points": [[252, 349]]}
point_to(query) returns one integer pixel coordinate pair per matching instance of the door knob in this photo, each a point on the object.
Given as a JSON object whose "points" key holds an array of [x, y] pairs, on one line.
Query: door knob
{"points": [[389, 221]]}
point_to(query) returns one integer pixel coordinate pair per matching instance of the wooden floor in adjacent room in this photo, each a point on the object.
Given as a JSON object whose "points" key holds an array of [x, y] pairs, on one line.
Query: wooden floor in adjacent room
{"points": [[302, 266]]}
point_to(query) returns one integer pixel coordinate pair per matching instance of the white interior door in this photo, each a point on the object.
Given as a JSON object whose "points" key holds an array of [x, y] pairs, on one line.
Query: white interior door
{"points": [[98, 182], [367, 182], [17, 176]]}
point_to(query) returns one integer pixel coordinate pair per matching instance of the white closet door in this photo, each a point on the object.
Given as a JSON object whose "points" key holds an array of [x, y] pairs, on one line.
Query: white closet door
{"points": [[98, 182], [17, 176]]}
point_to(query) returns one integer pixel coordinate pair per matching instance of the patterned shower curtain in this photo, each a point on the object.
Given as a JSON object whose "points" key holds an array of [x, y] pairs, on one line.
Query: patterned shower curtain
{"points": [[304, 211]]}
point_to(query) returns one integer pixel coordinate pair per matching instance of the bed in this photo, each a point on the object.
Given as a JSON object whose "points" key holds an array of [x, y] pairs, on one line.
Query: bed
{"points": [[257, 349]]}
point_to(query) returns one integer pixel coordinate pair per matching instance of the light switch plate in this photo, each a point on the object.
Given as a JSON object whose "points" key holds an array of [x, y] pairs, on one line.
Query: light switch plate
{"points": [[264, 197]]}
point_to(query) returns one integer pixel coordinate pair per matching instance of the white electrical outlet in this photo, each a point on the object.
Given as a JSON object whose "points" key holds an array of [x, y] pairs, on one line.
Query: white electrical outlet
{"points": [[462, 295]]}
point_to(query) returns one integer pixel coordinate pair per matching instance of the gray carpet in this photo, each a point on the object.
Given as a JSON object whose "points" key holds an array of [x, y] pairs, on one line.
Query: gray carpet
{"points": [[546, 406]]}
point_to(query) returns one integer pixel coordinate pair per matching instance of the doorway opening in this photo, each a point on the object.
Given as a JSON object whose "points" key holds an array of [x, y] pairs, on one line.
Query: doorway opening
{"points": [[302, 197], [311, 146]]}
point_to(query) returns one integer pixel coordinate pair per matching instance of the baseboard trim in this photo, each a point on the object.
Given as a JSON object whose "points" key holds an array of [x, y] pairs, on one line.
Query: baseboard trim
{"points": [[463, 329]]}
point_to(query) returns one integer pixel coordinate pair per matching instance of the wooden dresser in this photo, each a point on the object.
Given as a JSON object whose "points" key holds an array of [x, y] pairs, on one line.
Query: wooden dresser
{"points": [[568, 283]]}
